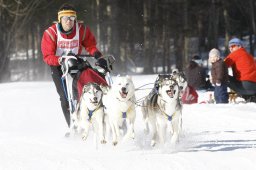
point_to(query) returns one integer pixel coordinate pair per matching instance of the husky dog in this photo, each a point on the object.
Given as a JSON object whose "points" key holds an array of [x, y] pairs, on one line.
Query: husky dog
{"points": [[163, 109], [180, 78], [119, 106], [89, 111]]}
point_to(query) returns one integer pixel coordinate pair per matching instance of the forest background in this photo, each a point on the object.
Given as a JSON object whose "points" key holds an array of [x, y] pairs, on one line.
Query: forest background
{"points": [[145, 36]]}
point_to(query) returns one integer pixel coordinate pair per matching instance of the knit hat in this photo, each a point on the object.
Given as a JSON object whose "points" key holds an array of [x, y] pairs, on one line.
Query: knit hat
{"points": [[66, 10], [214, 52], [197, 59], [214, 55], [235, 41]]}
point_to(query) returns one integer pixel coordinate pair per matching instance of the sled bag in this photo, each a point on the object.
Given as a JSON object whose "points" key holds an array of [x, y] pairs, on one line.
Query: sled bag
{"points": [[88, 76], [189, 96]]}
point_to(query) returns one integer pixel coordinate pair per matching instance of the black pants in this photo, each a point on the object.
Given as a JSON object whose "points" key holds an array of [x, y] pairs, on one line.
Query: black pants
{"points": [[242, 87], [56, 76]]}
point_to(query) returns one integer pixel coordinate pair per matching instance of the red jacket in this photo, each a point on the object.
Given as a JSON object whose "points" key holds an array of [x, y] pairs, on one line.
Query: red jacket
{"points": [[243, 65], [48, 44]]}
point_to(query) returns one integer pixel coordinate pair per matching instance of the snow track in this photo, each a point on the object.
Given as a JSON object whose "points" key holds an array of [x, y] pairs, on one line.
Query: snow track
{"points": [[32, 131]]}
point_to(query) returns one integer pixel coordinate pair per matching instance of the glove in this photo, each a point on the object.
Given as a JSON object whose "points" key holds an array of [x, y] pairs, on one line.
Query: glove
{"points": [[61, 60], [97, 55], [218, 84], [102, 63]]}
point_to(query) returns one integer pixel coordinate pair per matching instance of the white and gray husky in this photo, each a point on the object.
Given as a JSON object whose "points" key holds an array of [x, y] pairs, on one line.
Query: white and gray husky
{"points": [[163, 109], [89, 112], [119, 106]]}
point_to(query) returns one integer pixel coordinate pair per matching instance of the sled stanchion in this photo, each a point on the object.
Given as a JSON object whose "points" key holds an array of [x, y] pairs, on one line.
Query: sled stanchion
{"points": [[109, 79], [64, 87], [66, 77]]}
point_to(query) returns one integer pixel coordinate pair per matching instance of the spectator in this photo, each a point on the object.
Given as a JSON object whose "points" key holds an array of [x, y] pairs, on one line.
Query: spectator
{"points": [[219, 74], [196, 74], [243, 66]]}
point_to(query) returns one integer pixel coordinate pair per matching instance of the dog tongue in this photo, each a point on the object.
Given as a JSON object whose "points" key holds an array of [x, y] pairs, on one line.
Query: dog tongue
{"points": [[124, 95], [169, 92]]}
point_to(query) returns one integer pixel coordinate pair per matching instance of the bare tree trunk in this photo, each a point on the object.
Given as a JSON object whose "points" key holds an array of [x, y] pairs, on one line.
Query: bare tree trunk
{"points": [[201, 43], [186, 30], [213, 26], [253, 26], [178, 41], [17, 17], [148, 65], [98, 25], [227, 26], [33, 48]]}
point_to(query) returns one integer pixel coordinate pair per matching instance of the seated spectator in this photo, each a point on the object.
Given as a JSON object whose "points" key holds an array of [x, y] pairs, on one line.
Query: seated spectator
{"points": [[243, 66], [219, 74], [196, 74]]}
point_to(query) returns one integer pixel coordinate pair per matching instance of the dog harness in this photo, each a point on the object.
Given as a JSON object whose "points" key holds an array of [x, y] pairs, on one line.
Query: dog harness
{"points": [[124, 114], [90, 113], [168, 117]]}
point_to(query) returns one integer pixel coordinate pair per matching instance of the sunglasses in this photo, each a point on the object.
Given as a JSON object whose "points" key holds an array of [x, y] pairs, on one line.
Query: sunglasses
{"points": [[232, 46], [66, 18]]}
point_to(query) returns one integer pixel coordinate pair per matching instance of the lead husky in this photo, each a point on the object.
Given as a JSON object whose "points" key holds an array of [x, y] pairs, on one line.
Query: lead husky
{"points": [[119, 103], [89, 111], [162, 109]]}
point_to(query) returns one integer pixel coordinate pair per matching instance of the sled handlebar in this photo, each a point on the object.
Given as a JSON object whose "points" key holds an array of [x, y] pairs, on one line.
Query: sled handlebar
{"points": [[109, 58], [86, 58]]}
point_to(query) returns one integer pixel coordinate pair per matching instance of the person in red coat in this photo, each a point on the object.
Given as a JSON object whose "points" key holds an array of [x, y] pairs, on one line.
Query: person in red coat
{"points": [[68, 37], [243, 66]]}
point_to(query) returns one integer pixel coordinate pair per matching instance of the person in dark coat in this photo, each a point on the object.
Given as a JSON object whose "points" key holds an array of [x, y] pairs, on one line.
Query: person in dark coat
{"points": [[196, 74], [219, 73]]}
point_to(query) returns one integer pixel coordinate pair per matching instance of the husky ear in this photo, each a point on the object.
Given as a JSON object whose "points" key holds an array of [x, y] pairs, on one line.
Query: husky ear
{"points": [[128, 77], [86, 88], [104, 89]]}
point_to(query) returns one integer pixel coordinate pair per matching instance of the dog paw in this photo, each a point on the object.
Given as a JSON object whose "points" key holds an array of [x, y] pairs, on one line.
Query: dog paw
{"points": [[153, 143], [84, 137], [103, 141], [133, 135], [67, 134], [146, 131], [115, 143]]}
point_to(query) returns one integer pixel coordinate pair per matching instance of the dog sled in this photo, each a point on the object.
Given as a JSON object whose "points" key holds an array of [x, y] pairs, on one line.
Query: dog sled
{"points": [[79, 71]]}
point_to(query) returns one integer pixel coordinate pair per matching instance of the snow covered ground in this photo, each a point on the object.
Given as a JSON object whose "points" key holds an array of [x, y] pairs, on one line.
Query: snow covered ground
{"points": [[32, 127]]}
